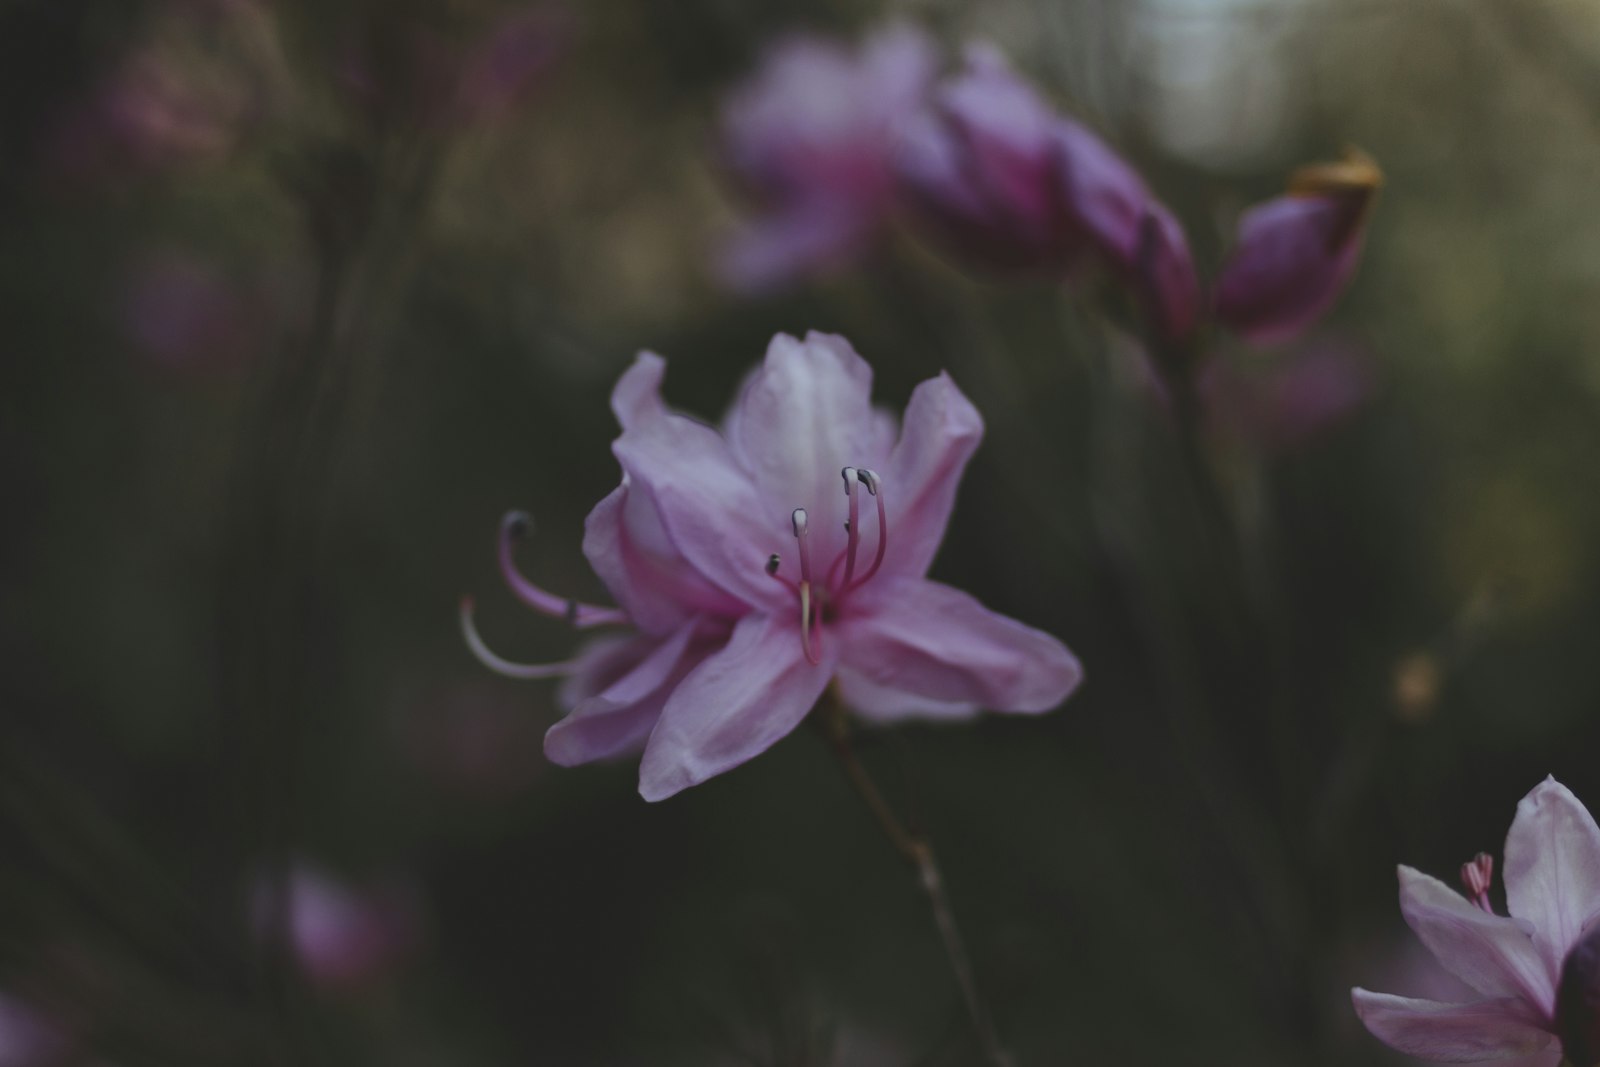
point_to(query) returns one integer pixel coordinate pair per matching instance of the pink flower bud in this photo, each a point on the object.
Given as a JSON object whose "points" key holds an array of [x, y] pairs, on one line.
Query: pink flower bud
{"points": [[1295, 254], [1004, 179]]}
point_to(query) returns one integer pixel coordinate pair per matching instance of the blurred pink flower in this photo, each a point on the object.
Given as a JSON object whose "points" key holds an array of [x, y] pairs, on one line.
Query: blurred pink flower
{"points": [[747, 573], [28, 1037], [1295, 254], [342, 937], [992, 170], [184, 313], [499, 69], [991, 167], [1297, 398], [1515, 965], [411, 72], [811, 135]]}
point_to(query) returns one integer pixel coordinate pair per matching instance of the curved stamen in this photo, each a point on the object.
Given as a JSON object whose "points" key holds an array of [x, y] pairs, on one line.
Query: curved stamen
{"points": [[580, 615], [800, 528], [504, 666], [874, 486]]}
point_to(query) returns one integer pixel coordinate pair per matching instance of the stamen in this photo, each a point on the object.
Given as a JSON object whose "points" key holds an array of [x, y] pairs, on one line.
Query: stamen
{"points": [[775, 561], [504, 666], [1477, 876], [852, 525], [580, 615], [874, 486], [800, 528]]}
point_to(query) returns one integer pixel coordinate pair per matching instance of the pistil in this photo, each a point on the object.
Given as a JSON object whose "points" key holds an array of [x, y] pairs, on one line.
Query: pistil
{"points": [[801, 527]]}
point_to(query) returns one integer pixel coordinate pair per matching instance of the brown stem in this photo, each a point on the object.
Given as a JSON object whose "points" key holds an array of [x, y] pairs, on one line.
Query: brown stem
{"points": [[916, 851]]}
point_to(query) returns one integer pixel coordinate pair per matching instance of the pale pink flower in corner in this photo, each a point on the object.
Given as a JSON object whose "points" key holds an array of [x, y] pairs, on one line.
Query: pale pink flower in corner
{"points": [[29, 1037], [1535, 971], [811, 137], [759, 564]]}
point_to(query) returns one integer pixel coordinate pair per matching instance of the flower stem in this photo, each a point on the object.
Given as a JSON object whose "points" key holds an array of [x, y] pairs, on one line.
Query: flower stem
{"points": [[916, 851]]}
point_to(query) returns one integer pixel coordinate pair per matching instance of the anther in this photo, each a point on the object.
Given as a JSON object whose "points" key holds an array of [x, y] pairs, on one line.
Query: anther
{"points": [[774, 561]]}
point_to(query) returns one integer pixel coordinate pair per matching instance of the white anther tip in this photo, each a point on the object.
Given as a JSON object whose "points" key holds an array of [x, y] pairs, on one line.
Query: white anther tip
{"points": [[799, 519], [869, 478]]}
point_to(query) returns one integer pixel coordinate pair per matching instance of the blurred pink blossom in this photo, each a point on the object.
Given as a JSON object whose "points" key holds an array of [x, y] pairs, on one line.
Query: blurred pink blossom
{"points": [[185, 313], [811, 136], [28, 1037], [341, 936], [1293, 400], [1514, 965], [742, 559], [1295, 254], [991, 167], [411, 72]]}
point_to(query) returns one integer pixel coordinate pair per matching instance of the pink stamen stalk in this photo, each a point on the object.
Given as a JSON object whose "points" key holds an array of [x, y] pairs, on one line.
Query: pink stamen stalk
{"points": [[800, 529], [580, 615], [852, 528], [1477, 876], [504, 666], [874, 486]]}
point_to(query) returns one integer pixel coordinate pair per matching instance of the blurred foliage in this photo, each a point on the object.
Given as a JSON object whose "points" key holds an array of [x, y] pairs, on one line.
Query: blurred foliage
{"points": [[283, 345]]}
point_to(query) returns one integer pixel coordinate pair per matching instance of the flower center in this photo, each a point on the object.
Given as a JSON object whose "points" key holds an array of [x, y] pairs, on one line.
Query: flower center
{"points": [[819, 598]]}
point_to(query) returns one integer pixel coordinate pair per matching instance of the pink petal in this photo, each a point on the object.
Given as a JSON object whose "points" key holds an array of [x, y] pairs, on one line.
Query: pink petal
{"points": [[628, 547], [1552, 868], [734, 705], [933, 642], [1134, 231], [1292, 258], [817, 235], [1491, 953], [1452, 1033], [711, 513], [885, 704], [618, 719], [804, 415], [940, 433]]}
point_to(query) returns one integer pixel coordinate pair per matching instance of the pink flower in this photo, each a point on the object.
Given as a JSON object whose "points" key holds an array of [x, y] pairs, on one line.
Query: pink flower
{"points": [[1001, 176], [342, 937], [759, 564], [1292, 401], [1295, 254], [811, 136], [1515, 964]]}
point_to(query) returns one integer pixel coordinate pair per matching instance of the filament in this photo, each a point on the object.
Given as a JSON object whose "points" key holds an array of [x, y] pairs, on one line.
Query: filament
{"points": [[852, 527], [578, 614], [496, 663], [874, 486]]}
